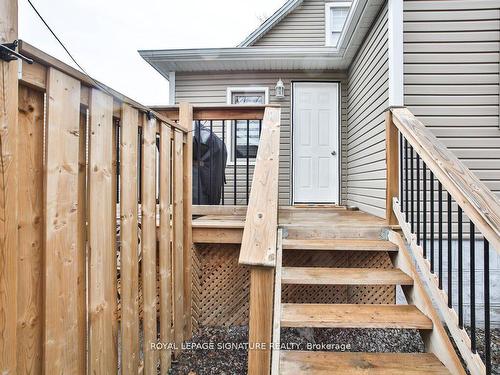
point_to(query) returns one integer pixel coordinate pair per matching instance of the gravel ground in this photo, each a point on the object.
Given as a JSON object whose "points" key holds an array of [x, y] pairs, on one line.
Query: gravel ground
{"points": [[495, 347], [198, 361]]}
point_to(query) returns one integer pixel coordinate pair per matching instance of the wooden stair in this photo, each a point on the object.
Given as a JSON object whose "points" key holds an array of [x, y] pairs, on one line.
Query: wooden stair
{"points": [[328, 363], [344, 276], [353, 316], [414, 315], [339, 244]]}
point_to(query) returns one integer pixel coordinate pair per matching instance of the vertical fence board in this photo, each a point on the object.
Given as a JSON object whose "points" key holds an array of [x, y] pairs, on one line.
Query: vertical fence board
{"points": [[102, 254], [62, 325], [149, 244], [30, 281], [186, 120], [165, 249], [8, 192], [129, 267], [82, 236], [178, 256]]}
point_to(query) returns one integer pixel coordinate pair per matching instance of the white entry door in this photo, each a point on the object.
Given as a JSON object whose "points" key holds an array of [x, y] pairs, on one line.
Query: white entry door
{"points": [[315, 142]]}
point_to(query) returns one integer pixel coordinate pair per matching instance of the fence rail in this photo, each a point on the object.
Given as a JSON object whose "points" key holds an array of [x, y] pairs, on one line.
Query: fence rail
{"points": [[440, 200], [93, 269]]}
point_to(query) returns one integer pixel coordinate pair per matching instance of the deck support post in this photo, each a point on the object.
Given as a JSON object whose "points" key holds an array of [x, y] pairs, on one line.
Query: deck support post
{"points": [[392, 162], [261, 320], [8, 192], [186, 122]]}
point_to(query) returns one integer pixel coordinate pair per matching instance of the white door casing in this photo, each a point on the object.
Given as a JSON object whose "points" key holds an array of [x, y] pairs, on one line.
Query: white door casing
{"points": [[316, 142]]}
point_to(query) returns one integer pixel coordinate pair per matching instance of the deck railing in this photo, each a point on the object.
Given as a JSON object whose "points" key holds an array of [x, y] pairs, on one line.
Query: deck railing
{"points": [[83, 289], [223, 177], [441, 202]]}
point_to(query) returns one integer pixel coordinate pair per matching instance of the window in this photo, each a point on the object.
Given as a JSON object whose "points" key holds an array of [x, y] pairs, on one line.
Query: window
{"points": [[247, 132], [336, 15]]}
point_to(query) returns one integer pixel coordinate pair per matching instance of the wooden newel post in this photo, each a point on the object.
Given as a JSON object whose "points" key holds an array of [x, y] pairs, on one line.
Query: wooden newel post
{"points": [[392, 160], [8, 192], [186, 121], [260, 320]]}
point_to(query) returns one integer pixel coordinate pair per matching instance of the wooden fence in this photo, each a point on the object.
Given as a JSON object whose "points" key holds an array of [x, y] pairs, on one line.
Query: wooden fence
{"points": [[92, 163]]}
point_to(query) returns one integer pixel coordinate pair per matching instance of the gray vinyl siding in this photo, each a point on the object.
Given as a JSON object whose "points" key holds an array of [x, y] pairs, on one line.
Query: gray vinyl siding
{"points": [[367, 100], [305, 26], [451, 82], [211, 88]]}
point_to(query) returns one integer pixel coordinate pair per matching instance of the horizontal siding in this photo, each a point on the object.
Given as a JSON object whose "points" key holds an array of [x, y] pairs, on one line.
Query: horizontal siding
{"points": [[367, 100], [305, 26], [451, 82], [203, 88]]}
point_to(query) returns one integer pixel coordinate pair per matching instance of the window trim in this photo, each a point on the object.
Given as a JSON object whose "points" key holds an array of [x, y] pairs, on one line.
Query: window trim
{"points": [[328, 25], [229, 129]]}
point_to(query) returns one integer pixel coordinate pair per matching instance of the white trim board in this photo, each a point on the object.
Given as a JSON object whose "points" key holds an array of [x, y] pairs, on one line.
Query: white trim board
{"points": [[396, 74]]}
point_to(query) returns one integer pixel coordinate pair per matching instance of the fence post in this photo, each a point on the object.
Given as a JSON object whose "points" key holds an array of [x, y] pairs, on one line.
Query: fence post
{"points": [[186, 121], [392, 162], [8, 192]]}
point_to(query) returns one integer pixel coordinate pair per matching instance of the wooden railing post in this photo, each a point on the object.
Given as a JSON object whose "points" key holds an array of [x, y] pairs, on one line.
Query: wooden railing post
{"points": [[392, 161], [8, 193], [258, 245], [186, 122], [260, 320]]}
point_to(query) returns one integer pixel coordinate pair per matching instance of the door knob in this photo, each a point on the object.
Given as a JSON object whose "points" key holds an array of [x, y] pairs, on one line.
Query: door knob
{"points": [[334, 153]]}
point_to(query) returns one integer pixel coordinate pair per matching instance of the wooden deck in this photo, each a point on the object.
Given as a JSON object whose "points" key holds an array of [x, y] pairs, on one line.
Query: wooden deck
{"points": [[224, 224]]}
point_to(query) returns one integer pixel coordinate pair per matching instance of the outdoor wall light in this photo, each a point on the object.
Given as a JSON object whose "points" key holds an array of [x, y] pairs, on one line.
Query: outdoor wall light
{"points": [[280, 90]]}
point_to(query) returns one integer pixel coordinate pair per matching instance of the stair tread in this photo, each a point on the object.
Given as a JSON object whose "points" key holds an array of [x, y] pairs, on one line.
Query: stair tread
{"points": [[339, 244], [323, 363], [353, 316], [344, 276]]}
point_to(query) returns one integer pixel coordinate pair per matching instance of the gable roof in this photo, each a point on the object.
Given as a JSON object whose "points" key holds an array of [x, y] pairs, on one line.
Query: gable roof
{"points": [[268, 24]]}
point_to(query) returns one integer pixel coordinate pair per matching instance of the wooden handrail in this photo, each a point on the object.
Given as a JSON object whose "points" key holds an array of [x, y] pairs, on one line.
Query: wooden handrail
{"points": [[258, 247], [217, 112], [477, 201]]}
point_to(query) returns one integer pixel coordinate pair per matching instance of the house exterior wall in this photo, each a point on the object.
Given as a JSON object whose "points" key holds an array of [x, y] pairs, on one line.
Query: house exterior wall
{"points": [[211, 88], [451, 82], [368, 95], [451, 78], [305, 26]]}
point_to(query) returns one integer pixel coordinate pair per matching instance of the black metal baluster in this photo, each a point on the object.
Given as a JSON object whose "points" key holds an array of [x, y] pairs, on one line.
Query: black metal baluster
{"points": [[425, 211], [235, 160], [440, 234], [223, 162], [432, 219], [460, 271], [487, 332], [412, 203], [472, 271], [198, 153], [418, 199], [450, 255], [406, 180], [248, 159], [401, 171], [210, 155]]}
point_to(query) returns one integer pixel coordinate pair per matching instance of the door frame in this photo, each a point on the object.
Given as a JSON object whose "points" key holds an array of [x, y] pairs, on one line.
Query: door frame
{"points": [[292, 139]]}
